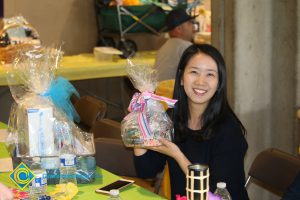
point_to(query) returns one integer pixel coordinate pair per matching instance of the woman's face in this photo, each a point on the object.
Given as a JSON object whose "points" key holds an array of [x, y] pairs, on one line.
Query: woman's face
{"points": [[200, 79]]}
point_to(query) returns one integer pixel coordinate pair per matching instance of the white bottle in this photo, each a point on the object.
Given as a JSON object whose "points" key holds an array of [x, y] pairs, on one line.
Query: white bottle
{"points": [[114, 195], [222, 191], [68, 168], [38, 187]]}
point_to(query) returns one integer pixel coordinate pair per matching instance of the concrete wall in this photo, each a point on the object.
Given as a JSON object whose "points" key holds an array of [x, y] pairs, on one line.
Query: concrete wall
{"points": [[265, 76], [260, 43]]}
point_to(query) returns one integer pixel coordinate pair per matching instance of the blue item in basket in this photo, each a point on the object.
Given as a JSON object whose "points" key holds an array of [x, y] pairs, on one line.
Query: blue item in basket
{"points": [[68, 168], [52, 164], [53, 176], [60, 92], [86, 169]]}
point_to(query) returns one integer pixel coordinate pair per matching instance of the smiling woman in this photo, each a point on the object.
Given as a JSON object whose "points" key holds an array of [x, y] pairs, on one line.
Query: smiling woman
{"points": [[206, 130]]}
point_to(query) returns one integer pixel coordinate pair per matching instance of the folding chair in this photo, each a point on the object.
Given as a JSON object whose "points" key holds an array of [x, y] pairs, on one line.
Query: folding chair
{"points": [[110, 155], [90, 110], [106, 128], [274, 170]]}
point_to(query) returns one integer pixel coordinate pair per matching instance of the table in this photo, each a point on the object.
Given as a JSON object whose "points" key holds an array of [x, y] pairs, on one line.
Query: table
{"points": [[87, 191], [86, 66]]}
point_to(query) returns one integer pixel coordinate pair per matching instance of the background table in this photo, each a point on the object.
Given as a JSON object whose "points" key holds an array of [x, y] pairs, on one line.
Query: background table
{"points": [[86, 66]]}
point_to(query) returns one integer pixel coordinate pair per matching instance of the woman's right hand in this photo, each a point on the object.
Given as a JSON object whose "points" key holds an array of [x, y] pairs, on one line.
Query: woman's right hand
{"points": [[139, 151]]}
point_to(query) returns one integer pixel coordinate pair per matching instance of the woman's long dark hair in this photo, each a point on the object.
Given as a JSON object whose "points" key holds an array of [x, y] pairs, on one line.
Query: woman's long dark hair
{"points": [[218, 107]]}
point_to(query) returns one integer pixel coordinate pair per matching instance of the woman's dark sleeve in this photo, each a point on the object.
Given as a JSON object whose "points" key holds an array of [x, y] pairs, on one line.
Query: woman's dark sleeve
{"points": [[227, 161], [149, 164]]}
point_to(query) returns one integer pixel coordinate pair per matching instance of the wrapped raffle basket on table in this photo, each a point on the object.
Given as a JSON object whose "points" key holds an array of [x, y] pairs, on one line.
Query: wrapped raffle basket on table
{"points": [[41, 119]]}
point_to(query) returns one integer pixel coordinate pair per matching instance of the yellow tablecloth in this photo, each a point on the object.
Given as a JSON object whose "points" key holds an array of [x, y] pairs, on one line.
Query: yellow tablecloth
{"points": [[86, 66]]}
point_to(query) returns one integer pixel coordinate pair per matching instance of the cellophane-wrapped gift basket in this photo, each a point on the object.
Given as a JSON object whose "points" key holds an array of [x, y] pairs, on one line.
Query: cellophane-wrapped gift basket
{"points": [[147, 121], [38, 127]]}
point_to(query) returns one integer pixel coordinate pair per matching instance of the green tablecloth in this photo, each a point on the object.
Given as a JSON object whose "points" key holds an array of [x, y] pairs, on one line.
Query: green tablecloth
{"points": [[87, 191]]}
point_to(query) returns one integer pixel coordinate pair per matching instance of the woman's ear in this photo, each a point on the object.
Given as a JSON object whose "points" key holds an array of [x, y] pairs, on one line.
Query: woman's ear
{"points": [[181, 82]]}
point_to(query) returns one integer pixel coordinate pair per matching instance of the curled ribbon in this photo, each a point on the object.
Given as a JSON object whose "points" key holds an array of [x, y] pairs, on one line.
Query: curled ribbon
{"points": [[138, 103]]}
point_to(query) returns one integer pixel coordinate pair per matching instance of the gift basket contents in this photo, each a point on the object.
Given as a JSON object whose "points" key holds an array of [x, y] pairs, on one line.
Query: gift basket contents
{"points": [[147, 121], [15, 34], [41, 119]]}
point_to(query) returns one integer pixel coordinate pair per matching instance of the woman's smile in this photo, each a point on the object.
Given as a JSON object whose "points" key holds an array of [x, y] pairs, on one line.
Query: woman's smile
{"points": [[199, 92]]}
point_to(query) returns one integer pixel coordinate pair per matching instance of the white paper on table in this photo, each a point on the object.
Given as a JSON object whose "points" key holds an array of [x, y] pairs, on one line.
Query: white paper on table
{"points": [[40, 130]]}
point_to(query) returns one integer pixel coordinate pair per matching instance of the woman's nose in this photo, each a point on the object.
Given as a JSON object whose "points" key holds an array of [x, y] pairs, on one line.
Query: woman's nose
{"points": [[200, 80]]}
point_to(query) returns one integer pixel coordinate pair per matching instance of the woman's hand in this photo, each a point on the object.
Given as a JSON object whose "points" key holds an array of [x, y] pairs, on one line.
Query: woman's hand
{"points": [[168, 148]]}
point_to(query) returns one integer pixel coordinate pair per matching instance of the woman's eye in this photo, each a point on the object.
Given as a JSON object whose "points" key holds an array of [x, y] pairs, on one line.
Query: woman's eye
{"points": [[211, 74]]}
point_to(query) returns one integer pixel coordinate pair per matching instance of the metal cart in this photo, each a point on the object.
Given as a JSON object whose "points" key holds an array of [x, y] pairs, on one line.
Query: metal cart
{"points": [[127, 19]]}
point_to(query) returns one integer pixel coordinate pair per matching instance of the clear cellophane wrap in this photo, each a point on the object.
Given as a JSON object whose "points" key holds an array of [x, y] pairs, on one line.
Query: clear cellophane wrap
{"points": [[36, 126], [147, 120]]}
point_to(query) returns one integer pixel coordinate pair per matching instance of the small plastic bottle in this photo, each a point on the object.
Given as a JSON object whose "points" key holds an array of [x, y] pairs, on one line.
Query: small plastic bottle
{"points": [[67, 157], [68, 169], [38, 187], [222, 191], [114, 195], [51, 165]]}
